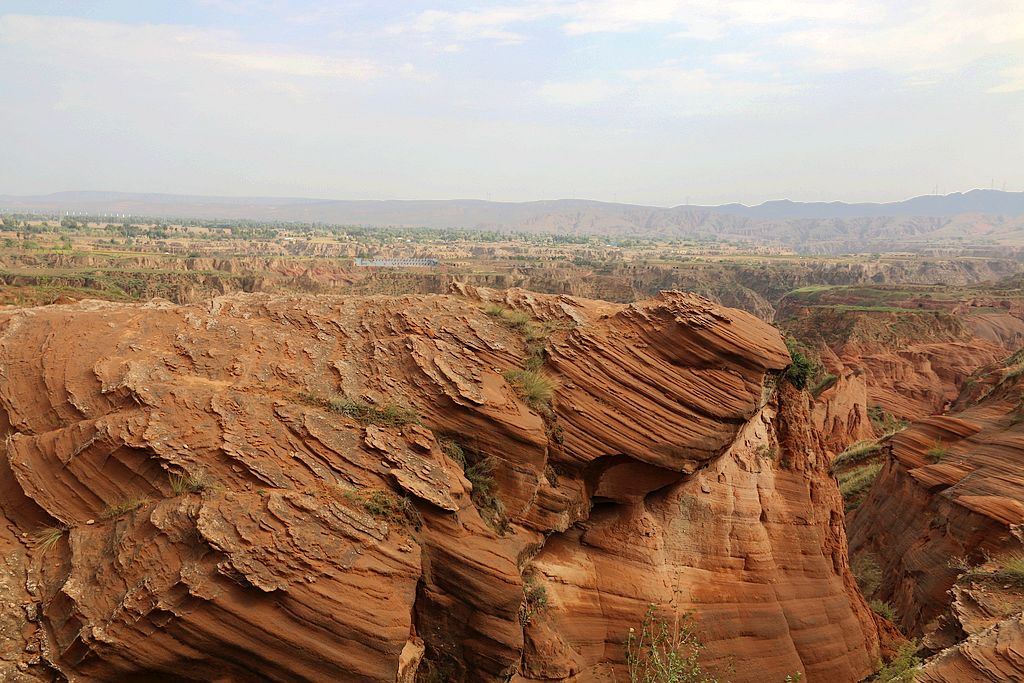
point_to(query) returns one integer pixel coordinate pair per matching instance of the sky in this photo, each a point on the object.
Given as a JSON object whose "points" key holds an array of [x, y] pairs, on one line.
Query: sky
{"points": [[659, 102]]}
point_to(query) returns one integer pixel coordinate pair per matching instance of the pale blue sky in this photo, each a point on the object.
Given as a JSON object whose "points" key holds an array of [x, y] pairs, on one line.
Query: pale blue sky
{"points": [[654, 101]]}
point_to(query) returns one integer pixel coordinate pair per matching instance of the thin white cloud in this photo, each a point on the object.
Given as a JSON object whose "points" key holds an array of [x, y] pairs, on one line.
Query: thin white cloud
{"points": [[938, 36], [493, 24], [177, 49], [806, 35], [580, 17]]}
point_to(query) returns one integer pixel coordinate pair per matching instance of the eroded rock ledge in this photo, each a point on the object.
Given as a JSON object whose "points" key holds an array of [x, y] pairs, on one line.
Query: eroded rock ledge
{"points": [[198, 491]]}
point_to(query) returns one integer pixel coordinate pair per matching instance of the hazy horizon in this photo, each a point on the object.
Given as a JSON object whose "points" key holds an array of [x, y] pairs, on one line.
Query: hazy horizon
{"points": [[659, 102], [496, 201]]}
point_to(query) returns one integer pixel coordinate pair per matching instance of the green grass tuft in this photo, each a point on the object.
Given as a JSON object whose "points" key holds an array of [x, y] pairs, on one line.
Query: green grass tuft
{"points": [[1006, 568], [884, 421], [47, 537], [183, 482], [1011, 567], [454, 450], [826, 382], [517, 320], [856, 482], [802, 368], [937, 452], [387, 415], [856, 453], [534, 387]]}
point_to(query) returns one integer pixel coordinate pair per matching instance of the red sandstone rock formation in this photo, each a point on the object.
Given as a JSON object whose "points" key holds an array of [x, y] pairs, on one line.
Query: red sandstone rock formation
{"points": [[951, 489], [979, 638], [951, 497], [912, 363], [237, 490]]}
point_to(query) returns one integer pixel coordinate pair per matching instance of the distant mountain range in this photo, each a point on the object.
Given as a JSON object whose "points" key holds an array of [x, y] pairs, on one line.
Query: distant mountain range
{"points": [[994, 202], [783, 220]]}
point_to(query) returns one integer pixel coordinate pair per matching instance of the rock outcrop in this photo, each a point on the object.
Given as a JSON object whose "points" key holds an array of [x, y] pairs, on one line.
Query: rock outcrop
{"points": [[942, 522], [343, 488], [979, 637]]}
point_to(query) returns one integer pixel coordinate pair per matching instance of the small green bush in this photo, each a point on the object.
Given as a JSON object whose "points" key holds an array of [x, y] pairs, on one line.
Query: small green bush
{"points": [[386, 506], [883, 609], [1006, 568], [480, 474], [663, 652], [388, 415], [1011, 568], [937, 452], [802, 368], [517, 320], [494, 310], [885, 422], [535, 600], [902, 668], [534, 387], [454, 450]]}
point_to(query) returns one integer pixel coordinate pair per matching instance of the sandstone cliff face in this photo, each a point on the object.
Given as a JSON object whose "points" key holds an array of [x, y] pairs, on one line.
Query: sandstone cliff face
{"points": [[950, 495], [239, 489]]}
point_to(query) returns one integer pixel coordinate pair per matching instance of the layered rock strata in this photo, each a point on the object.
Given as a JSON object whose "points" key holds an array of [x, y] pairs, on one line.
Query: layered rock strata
{"points": [[344, 488]]}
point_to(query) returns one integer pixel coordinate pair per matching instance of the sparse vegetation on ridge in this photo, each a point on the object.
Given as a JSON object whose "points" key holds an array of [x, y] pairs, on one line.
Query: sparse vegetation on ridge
{"points": [[387, 506], [883, 609], [856, 453], [884, 422], [1006, 568], [535, 600], [823, 384], [387, 415], [855, 482]]}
